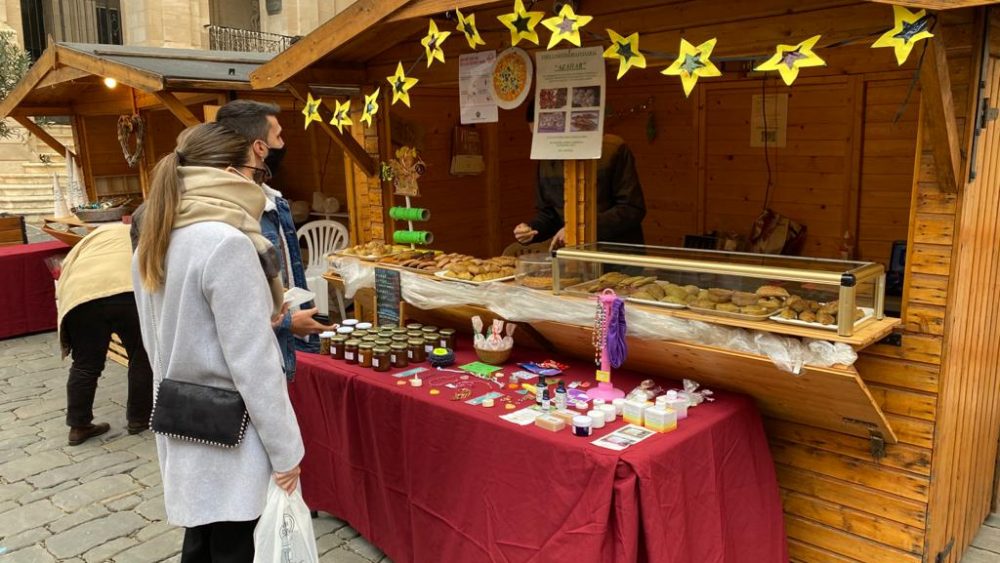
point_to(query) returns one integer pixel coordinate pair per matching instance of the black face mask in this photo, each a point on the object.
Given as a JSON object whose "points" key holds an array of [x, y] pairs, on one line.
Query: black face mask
{"points": [[273, 159]]}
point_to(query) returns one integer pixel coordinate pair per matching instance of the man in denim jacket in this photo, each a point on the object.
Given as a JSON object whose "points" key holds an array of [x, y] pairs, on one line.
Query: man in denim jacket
{"points": [[258, 122]]}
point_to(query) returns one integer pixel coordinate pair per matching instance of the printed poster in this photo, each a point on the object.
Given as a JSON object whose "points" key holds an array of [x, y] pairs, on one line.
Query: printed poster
{"points": [[475, 95], [569, 104]]}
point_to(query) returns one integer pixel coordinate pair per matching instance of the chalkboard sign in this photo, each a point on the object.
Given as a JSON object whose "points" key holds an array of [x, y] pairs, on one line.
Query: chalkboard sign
{"points": [[387, 296]]}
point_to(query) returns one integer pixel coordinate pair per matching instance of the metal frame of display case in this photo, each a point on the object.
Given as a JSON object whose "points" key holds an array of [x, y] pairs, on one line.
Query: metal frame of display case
{"points": [[846, 280]]}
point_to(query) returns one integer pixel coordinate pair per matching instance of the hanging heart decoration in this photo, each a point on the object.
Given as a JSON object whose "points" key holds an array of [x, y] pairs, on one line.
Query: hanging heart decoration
{"points": [[130, 126]]}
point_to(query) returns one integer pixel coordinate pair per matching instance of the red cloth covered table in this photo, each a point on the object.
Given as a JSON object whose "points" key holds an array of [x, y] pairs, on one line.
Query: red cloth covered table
{"points": [[426, 478], [27, 293]]}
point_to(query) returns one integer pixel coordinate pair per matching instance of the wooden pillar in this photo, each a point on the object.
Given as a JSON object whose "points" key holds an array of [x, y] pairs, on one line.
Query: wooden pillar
{"points": [[580, 201], [83, 155], [385, 153]]}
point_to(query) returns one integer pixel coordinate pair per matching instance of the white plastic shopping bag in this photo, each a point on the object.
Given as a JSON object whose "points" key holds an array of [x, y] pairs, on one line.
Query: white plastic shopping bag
{"points": [[284, 533]]}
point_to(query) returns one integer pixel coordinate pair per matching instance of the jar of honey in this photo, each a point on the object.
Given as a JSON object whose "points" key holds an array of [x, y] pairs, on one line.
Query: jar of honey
{"points": [[398, 356], [380, 359], [365, 354], [414, 326], [447, 338], [351, 351], [416, 353], [337, 347], [430, 341]]}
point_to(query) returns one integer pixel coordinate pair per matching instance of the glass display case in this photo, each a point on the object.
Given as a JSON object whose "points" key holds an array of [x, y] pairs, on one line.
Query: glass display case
{"points": [[835, 295]]}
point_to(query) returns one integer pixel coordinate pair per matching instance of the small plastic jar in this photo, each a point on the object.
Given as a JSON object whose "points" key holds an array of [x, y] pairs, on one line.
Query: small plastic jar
{"points": [[582, 426], [380, 359], [416, 353], [398, 356], [365, 354], [351, 351], [337, 347], [446, 338]]}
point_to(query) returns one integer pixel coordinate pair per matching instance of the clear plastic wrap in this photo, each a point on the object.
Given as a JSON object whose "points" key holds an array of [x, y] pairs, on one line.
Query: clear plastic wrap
{"points": [[521, 304]]}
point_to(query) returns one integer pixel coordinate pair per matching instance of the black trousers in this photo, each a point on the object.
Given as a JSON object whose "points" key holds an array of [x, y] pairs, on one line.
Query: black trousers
{"points": [[219, 542], [88, 327]]}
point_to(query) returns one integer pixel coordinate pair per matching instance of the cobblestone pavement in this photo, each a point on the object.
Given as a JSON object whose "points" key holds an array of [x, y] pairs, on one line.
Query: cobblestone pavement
{"points": [[101, 500]]}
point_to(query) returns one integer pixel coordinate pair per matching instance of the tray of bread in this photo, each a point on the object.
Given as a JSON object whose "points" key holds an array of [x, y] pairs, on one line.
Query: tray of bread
{"points": [[477, 271], [414, 260], [744, 305], [813, 314], [641, 289], [372, 251]]}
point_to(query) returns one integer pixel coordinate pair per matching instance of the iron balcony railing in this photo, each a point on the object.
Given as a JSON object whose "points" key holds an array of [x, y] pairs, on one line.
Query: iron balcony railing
{"points": [[222, 38]]}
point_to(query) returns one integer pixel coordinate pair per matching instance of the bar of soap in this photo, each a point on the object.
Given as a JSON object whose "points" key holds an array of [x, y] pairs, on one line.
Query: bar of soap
{"points": [[550, 423], [565, 415]]}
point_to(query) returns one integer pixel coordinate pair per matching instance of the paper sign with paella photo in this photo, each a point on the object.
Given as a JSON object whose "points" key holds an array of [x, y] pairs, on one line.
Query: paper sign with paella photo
{"points": [[569, 104]]}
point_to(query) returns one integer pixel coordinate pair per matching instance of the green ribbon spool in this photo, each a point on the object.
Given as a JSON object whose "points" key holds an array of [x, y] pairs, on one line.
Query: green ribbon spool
{"points": [[409, 213], [412, 237]]}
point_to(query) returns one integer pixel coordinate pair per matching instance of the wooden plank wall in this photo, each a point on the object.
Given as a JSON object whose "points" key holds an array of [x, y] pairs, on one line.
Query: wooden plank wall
{"points": [[966, 453]]}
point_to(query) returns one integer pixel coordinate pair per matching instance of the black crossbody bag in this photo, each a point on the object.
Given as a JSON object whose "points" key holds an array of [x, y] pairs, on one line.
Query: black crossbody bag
{"points": [[197, 413]]}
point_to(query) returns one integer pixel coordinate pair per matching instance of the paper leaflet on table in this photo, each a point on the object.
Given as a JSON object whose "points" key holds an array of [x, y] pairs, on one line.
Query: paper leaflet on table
{"points": [[624, 437]]}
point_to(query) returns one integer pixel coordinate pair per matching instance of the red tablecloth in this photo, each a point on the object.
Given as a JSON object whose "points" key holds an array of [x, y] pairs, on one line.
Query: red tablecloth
{"points": [[426, 478], [27, 293]]}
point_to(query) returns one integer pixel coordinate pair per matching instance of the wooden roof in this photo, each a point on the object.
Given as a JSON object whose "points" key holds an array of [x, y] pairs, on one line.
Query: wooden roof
{"points": [[371, 32], [68, 79]]}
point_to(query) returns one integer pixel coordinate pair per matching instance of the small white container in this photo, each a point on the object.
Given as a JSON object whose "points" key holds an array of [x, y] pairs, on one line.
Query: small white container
{"points": [[674, 401], [609, 412], [619, 404], [597, 418], [582, 426]]}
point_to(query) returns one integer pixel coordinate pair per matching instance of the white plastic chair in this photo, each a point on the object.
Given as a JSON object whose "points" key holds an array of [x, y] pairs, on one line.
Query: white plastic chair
{"points": [[322, 238]]}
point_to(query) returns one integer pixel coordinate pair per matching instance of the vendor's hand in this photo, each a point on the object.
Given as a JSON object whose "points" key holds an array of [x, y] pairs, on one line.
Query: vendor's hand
{"points": [[276, 320], [288, 480], [303, 324], [524, 233], [559, 240]]}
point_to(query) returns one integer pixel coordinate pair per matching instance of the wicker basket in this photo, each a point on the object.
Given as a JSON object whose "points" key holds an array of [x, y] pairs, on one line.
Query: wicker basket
{"points": [[493, 357], [101, 215]]}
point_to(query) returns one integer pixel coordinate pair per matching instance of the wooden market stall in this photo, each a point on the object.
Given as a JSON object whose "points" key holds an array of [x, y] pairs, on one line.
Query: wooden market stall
{"points": [[96, 86], [891, 459]]}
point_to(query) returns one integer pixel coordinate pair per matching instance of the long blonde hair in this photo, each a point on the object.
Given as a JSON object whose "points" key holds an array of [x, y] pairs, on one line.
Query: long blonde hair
{"points": [[208, 144]]}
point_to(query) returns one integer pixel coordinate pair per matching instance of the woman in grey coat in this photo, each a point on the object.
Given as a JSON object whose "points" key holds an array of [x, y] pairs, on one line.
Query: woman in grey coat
{"points": [[206, 303]]}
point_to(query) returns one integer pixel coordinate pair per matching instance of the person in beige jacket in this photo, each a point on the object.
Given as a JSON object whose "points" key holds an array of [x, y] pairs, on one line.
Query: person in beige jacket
{"points": [[95, 298]]}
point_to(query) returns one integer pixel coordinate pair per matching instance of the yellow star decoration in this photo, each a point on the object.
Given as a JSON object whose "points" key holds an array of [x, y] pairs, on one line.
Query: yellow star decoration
{"points": [[342, 115], [371, 107], [692, 63], [467, 27], [909, 28], [521, 23], [401, 85], [566, 26], [311, 110], [788, 59], [626, 50], [432, 43]]}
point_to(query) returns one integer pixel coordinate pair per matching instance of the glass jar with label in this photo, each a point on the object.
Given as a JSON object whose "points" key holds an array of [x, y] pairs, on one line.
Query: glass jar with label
{"points": [[429, 329], [365, 353], [398, 356], [416, 352], [430, 341], [447, 338], [380, 358], [351, 351], [337, 347], [359, 334], [399, 331], [414, 326]]}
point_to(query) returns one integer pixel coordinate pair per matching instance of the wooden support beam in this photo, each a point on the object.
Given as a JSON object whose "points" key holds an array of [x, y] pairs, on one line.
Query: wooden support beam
{"points": [[494, 237], [42, 134], [354, 150], [61, 75], [177, 108], [939, 113], [936, 4], [337, 31], [580, 201]]}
